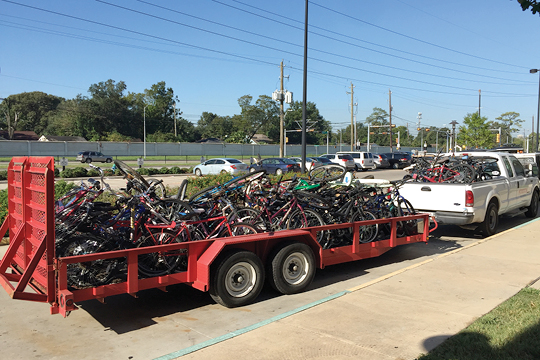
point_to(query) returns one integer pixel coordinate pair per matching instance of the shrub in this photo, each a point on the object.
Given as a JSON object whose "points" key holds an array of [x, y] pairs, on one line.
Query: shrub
{"points": [[93, 173], [3, 175], [164, 170], [175, 170], [3, 205], [79, 172], [144, 171], [61, 187]]}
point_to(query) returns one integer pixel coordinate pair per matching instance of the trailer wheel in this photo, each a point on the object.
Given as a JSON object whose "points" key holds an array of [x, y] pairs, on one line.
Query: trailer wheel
{"points": [[292, 268], [237, 280], [491, 221]]}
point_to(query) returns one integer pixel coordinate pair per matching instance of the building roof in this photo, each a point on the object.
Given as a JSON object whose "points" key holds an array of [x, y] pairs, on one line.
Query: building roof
{"points": [[20, 135], [61, 138]]}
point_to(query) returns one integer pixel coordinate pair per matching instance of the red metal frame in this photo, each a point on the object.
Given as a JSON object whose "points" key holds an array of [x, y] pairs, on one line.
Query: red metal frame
{"points": [[30, 255]]}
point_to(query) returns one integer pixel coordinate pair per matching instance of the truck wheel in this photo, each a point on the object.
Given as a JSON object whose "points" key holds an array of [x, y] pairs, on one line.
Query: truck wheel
{"points": [[292, 268], [532, 210], [237, 280], [491, 221]]}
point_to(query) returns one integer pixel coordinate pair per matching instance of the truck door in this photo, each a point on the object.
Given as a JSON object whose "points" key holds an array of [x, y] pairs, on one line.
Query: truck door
{"points": [[513, 185], [525, 184]]}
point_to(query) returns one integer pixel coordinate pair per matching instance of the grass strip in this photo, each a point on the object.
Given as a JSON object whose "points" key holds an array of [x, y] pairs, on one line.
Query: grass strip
{"points": [[511, 331]]}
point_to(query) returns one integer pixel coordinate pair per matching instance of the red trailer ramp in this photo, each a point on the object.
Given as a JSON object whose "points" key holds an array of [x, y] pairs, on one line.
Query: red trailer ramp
{"points": [[26, 271]]}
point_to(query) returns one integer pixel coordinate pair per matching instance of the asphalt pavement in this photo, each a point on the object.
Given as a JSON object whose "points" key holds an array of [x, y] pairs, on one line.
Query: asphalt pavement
{"points": [[398, 316]]}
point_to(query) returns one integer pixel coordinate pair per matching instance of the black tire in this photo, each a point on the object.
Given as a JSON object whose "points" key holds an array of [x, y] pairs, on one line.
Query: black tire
{"points": [[291, 268], [206, 192], [129, 172], [396, 165], [327, 173], [489, 226], [367, 233], [181, 194], [279, 172], [241, 228], [108, 161], [532, 210], [160, 190], [198, 172], [237, 278], [163, 262], [252, 217], [173, 209], [466, 174], [88, 160], [253, 175]]}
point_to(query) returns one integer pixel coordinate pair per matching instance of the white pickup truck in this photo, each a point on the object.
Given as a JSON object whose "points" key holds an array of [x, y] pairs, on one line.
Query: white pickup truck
{"points": [[511, 190]]}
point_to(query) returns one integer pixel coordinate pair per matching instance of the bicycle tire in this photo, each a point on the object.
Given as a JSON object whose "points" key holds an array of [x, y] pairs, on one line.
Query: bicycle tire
{"points": [[181, 194], [367, 233], [161, 262], [245, 178], [198, 195], [128, 172], [173, 209], [327, 173], [312, 200], [466, 174]]}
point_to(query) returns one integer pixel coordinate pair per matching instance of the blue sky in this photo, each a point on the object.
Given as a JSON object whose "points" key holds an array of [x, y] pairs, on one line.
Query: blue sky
{"points": [[433, 55]]}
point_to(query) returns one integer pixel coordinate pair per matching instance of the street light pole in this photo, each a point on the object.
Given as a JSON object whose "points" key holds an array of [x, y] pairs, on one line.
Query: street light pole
{"points": [[532, 71], [144, 129]]}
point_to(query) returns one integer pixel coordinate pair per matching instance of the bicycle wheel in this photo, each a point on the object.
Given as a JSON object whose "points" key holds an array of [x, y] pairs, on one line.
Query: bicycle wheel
{"points": [[204, 193], [327, 173], [406, 208], [307, 218], [459, 173], [244, 179], [159, 189], [367, 233], [252, 217], [181, 195], [129, 172], [312, 200], [173, 209], [161, 262], [90, 273]]}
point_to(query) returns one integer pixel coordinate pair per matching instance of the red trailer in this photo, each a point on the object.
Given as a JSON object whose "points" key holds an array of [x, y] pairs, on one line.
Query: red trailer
{"points": [[232, 269]]}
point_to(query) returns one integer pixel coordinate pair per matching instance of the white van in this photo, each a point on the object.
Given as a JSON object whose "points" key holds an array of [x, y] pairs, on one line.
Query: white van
{"points": [[363, 160], [530, 161]]}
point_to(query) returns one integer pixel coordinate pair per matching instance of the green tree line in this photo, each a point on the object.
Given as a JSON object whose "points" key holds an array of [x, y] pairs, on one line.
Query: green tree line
{"points": [[110, 113]]}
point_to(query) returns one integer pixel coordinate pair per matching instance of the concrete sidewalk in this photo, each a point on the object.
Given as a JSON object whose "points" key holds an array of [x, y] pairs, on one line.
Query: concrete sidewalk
{"points": [[400, 316]]}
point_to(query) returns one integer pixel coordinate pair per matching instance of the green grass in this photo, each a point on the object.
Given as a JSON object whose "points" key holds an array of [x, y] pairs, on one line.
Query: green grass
{"points": [[509, 332]]}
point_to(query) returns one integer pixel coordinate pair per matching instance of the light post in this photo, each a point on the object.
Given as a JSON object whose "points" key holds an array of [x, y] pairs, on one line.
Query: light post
{"points": [[532, 71], [144, 129]]}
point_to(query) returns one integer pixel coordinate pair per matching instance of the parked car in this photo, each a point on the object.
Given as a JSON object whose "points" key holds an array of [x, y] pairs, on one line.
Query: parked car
{"points": [[276, 166], [381, 161], [220, 165], [89, 156], [324, 160], [399, 160], [363, 160], [345, 160], [311, 162]]}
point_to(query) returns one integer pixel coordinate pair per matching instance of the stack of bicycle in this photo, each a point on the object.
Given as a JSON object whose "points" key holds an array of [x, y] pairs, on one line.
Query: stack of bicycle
{"points": [[144, 216], [445, 169]]}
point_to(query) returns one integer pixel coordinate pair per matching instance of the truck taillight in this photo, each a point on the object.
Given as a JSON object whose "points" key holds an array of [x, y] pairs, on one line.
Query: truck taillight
{"points": [[469, 198]]}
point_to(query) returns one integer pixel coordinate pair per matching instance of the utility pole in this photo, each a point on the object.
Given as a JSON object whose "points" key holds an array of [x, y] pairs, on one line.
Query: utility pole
{"points": [[175, 133], [352, 116], [390, 118], [479, 101], [282, 134], [421, 132]]}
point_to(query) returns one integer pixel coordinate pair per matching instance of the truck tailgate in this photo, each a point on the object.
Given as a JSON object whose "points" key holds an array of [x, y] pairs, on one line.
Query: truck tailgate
{"points": [[433, 197]]}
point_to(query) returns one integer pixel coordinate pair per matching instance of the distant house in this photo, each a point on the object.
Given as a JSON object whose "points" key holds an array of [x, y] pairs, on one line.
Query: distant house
{"points": [[260, 139], [19, 135], [61, 138], [209, 141]]}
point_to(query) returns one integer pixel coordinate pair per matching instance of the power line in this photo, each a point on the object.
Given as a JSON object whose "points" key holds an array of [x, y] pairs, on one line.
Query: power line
{"points": [[364, 41], [416, 39]]}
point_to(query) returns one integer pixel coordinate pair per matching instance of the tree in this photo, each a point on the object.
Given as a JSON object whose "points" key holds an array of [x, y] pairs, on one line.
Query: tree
{"points": [[509, 123], [379, 135], [30, 111], [212, 125], [261, 116], [475, 133], [533, 4], [293, 121]]}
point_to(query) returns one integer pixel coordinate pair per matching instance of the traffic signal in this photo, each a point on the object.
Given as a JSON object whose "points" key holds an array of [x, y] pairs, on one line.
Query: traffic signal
{"points": [[418, 128], [393, 125], [498, 138], [427, 129]]}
